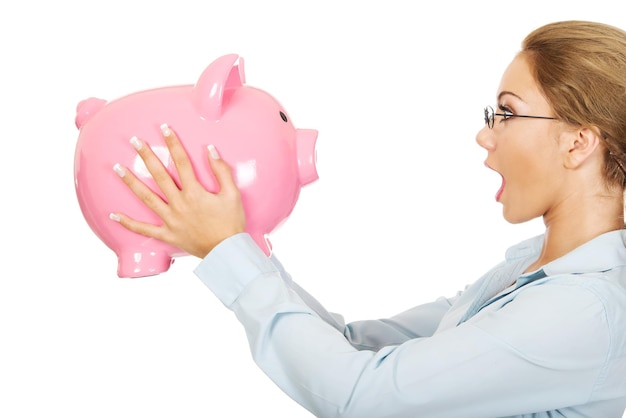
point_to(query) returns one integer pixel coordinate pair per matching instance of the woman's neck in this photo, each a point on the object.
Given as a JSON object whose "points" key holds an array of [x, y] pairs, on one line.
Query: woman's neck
{"points": [[570, 226]]}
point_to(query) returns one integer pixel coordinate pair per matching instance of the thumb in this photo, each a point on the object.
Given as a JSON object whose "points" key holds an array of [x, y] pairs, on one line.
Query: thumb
{"points": [[221, 170]]}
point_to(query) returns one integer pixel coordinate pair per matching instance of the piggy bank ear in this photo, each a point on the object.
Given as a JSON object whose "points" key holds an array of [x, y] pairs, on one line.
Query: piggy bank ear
{"points": [[221, 74], [86, 109]]}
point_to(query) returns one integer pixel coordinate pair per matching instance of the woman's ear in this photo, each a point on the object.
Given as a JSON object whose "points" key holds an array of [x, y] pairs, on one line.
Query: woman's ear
{"points": [[579, 145]]}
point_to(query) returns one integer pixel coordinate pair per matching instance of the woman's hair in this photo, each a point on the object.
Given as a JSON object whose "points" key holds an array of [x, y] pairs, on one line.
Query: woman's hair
{"points": [[581, 68]]}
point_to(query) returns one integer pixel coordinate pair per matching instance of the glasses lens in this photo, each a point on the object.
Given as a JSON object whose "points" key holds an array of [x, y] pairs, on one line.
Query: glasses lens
{"points": [[489, 116]]}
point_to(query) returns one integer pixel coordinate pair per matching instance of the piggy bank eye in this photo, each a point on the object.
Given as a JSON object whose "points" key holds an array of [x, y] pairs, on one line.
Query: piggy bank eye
{"points": [[283, 116]]}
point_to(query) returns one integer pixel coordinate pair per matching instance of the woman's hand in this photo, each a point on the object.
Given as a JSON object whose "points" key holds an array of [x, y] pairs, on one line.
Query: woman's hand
{"points": [[194, 219]]}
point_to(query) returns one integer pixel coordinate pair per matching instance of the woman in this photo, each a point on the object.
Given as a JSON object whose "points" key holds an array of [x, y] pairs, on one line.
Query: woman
{"points": [[541, 334]]}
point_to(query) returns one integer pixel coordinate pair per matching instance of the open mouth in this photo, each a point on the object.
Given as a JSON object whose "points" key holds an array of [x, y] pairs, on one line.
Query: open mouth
{"points": [[501, 189]]}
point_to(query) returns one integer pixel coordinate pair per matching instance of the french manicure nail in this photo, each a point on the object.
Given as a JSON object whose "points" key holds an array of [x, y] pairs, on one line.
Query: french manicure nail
{"points": [[119, 170], [114, 217], [213, 152], [136, 143], [165, 130]]}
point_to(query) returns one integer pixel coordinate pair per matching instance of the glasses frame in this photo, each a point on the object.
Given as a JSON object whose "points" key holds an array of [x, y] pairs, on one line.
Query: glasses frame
{"points": [[490, 116]]}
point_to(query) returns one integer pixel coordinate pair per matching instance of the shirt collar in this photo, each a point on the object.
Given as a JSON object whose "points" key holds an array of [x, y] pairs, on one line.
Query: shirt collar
{"points": [[525, 249], [602, 253]]}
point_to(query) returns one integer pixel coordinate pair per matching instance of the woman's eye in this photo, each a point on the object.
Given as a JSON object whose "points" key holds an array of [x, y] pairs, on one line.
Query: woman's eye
{"points": [[506, 112]]}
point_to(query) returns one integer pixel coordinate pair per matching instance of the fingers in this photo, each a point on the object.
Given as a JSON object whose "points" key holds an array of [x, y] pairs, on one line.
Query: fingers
{"points": [[222, 171], [143, 192], [142, 228], [165, 182], [156, 168], [192, 218], [179, 156], [185, 169]]}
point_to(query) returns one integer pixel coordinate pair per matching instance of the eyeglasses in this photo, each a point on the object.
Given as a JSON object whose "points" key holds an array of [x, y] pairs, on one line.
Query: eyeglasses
{"points": [[490, 115]]}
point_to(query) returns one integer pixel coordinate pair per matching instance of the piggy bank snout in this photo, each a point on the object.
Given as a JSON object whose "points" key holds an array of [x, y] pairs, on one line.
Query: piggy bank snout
{"points": [[307, 156]]}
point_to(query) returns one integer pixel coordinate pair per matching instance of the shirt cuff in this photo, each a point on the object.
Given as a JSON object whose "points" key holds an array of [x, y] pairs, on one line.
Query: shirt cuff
{"points": [[230, 267]]}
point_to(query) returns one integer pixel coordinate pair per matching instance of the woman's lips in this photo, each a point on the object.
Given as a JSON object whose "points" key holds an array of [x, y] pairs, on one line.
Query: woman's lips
{"points": [[501, 189]]}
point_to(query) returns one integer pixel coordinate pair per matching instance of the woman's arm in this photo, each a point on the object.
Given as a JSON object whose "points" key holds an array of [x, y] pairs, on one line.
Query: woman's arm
{"points": [[420, 321], [515, 361]]}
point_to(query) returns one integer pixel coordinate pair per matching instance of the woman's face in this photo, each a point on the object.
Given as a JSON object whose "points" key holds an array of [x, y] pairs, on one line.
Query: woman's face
{"points": [[524, 151]]}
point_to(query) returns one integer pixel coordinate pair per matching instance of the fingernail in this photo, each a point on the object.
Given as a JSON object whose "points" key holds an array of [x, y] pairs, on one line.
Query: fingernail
{"points": [[119, 170], [213, 152], [114, 217], [165, 130], [136, 143]]}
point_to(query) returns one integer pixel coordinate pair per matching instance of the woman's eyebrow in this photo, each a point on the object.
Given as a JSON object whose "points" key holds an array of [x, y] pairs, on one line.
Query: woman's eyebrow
{"points": [[506, 92]]}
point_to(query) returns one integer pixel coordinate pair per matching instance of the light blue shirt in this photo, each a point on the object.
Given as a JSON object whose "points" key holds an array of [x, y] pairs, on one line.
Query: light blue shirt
{"points": [[551, 343]]}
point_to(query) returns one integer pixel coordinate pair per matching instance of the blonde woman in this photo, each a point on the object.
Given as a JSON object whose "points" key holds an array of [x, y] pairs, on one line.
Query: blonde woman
{"points": [[542, 334]]}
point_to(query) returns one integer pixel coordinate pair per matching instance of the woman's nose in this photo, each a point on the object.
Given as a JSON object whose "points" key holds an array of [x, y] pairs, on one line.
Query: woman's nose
{"points": [[485, 139]]}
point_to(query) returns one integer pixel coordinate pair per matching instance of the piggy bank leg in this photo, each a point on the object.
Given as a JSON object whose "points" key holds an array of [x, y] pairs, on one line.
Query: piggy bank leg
{"points": [[141, 263], [262, 240]]}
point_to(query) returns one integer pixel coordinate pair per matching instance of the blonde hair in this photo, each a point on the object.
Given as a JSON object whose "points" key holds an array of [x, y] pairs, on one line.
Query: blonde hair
{"points": [[581, 68]]}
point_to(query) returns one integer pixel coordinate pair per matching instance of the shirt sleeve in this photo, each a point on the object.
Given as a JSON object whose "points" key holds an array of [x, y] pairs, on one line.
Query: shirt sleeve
{"points": [[420, 321], [514, 361]]}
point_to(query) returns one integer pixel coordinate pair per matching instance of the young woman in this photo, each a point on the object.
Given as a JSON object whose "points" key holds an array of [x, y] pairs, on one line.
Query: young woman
{"points": [[542, 334]]}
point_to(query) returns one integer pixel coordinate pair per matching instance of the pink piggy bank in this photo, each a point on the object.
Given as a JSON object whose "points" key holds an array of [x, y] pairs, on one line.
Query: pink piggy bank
{"points": [[271, 159]]}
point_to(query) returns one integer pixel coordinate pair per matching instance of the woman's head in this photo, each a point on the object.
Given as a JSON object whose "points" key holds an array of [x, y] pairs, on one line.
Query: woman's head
{"points": [[581, 69]]}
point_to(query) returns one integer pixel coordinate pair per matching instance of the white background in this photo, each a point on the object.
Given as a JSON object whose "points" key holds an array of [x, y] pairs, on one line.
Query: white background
{"points": [[403, 211]]}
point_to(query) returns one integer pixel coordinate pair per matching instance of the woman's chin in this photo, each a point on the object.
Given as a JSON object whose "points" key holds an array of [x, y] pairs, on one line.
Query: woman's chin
{"points": [[513, 216]]}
